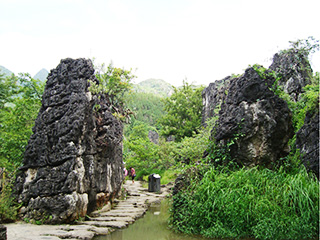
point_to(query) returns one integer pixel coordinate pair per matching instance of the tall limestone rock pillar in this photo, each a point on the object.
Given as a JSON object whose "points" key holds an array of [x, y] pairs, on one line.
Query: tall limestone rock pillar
{"points": [[73, 160]]}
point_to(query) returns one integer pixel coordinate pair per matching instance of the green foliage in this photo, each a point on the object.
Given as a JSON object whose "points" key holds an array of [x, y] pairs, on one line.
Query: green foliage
{"points": [[264, 204], [139, 151], [19, 108], [309, 98], [148, 157], [20, 101], [147, 107], [169, 175], [8, 207], [156, 87], [114, 83], [183, 116], [191, 149], [308, 102], [305, 46]]}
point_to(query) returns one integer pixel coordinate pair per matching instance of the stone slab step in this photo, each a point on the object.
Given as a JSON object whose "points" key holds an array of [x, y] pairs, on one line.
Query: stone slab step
{"points": [[132, 202], [113, 224], [126, 206], [128, 210], [107, 219], [79, 234], [97, 230], [134, 215]]}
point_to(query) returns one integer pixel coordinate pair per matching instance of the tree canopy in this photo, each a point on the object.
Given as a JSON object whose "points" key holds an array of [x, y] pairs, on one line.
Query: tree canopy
{"points": [[20, 101], [183, 112]]}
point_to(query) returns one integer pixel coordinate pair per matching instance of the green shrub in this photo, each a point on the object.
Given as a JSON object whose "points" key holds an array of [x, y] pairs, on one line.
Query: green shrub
{"points": [[8, 206], [256, 203]]}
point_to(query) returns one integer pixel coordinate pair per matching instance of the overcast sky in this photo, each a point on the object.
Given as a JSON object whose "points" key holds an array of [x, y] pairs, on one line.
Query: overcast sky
{"points": [[201, 40]]}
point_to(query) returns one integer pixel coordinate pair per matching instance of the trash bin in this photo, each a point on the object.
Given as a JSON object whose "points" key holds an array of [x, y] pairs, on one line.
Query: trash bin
{"points": [[154, 183]]}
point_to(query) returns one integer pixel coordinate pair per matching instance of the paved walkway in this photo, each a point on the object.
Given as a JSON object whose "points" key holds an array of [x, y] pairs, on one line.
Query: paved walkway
{"points": [[101, 222]]}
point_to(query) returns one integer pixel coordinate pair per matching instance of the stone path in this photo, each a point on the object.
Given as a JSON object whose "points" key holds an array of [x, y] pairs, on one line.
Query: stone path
{"points": [[101, 222]]}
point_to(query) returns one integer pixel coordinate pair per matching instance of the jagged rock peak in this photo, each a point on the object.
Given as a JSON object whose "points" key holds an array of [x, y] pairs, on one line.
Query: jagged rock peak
{"points": [[294, 70], [73, 161], [260, 120]]}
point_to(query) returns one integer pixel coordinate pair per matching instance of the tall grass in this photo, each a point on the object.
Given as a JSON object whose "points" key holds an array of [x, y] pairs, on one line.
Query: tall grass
{"points": [[256, 203]]}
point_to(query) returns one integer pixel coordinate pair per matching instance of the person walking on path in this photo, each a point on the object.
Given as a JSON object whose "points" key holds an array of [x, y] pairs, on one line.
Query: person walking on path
{"points": [[132, 173]]}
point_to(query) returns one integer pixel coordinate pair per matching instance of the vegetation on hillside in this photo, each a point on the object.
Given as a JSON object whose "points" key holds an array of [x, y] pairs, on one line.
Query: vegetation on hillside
{"points": [[183, 108], [146, 107], [154, 86]]}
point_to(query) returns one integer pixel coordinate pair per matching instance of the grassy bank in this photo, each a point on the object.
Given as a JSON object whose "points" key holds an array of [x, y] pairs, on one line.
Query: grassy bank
{"points": [[263, 204]]}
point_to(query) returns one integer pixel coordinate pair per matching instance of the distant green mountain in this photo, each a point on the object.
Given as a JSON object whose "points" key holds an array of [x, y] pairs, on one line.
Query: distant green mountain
{"points": [[42, 75], [5, 71], [155, 86]]}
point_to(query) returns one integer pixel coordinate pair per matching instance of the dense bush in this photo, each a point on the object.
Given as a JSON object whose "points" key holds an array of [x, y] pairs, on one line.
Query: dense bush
{"points": [[261, 203], [8, 206], [165, 158]]}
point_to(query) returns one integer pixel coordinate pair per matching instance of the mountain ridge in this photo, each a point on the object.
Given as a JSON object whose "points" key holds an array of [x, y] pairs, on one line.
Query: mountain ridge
{"points": [[42, 75], [6, 72]]}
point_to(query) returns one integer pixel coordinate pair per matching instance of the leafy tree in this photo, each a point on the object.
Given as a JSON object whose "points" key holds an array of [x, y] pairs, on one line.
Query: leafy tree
{"points": [[183, 109], [19, 106], [139, 151], [8, 88]]}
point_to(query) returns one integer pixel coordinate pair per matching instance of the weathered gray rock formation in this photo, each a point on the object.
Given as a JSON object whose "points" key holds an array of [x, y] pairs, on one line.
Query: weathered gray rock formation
{"points": [[295, 71], [308, 142], [212, 98], [73, 160], [257, 120]]}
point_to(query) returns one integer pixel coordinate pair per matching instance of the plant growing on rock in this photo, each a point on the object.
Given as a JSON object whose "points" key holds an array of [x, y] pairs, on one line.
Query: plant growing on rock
{"points": [[114, 83]]}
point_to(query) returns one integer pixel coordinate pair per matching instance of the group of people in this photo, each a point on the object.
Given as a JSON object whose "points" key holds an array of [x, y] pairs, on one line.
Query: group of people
{"points": [[131, 173]]}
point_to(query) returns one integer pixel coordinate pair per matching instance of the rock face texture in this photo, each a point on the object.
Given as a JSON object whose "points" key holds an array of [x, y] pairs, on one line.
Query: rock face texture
{"points": [[257, 120], [74, 158], [295, 71], [212, 98], [308, 142]]}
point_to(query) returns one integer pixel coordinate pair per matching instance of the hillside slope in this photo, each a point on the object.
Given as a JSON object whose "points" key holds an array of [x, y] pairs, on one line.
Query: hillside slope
{"points": [[154, 86]]}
